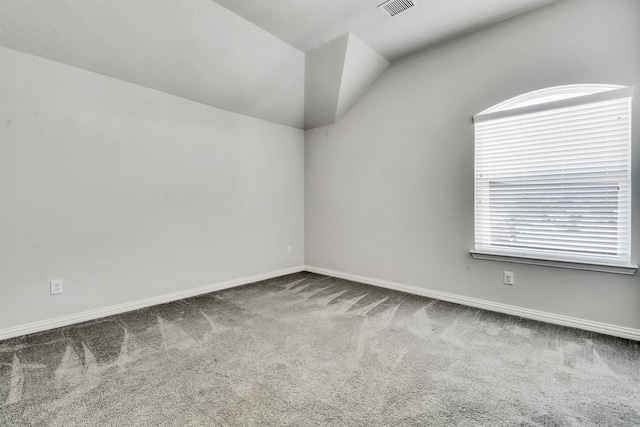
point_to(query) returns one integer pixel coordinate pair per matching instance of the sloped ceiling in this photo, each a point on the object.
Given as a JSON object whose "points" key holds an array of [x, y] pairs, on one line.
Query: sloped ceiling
{"points": [[307, 24], [245, 56], [195, 49], [336, 75]]}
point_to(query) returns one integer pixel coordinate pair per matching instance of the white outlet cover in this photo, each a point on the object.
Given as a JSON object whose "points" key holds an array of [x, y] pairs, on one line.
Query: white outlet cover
{"points": [[55, 287], [508, 278]]}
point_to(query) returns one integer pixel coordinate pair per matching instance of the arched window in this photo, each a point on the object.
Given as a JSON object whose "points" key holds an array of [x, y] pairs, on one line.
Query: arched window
{"points": [[552, 178]]}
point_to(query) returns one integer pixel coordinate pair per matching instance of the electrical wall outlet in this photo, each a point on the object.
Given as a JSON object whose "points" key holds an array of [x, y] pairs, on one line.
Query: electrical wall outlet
{"points": [[55, 287], [289, 251], [508, 278]]}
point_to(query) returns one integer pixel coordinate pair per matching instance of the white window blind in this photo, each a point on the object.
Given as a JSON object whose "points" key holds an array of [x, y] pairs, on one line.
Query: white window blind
{"points": [[552, 179]]}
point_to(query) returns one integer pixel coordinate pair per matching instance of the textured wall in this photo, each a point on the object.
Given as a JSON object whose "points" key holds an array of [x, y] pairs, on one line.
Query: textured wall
{"points": [[389, 188], [127, 193]]}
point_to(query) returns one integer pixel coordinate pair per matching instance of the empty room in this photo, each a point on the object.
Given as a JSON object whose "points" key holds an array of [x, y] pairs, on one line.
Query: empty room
{"points": [[319, 213]]}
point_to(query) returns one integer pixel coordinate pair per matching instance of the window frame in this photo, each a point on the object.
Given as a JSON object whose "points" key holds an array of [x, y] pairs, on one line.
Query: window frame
{"points": [[547, 100]]}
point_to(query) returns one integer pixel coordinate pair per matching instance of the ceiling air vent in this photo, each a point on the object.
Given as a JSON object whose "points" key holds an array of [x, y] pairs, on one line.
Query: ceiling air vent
{"points": [[392, 8]]}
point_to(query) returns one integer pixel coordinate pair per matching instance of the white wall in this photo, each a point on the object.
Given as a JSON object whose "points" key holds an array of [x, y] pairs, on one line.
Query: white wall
{"points": [[127, 193], [389, 188]]}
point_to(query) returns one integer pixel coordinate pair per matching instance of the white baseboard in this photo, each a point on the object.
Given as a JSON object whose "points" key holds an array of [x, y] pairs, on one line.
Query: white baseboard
{"points": [[604, 328], [57, 322]]}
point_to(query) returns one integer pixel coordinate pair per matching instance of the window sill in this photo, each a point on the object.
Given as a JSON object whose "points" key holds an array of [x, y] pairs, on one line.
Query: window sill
{"points": [[603, 268]]}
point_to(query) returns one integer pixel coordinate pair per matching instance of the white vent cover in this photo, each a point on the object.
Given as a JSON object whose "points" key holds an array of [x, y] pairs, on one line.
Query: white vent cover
{"points": [[393, 7]]}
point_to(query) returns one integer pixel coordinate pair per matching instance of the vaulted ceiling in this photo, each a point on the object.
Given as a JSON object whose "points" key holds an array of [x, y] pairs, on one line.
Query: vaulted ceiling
{"points": [[309, 23], [245, 56], [195, 49]]}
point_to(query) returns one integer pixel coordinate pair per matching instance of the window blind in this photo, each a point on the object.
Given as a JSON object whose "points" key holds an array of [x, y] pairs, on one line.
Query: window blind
{"points": [[554, 182]]}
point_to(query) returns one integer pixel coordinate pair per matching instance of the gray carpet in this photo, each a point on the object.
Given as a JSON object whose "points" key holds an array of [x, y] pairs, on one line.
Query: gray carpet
{"points": [[309, 350]]}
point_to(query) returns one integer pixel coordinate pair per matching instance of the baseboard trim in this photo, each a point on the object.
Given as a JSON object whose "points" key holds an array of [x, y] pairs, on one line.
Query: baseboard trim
{"points": [[603, 328], [57, 322]]}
